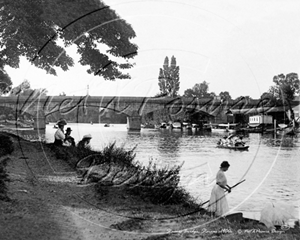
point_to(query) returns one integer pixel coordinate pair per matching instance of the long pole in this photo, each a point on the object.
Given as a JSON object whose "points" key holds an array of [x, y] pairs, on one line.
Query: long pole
{"points": [[226, 190]]}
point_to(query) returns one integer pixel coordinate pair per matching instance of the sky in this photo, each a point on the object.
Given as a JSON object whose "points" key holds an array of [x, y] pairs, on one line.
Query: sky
{"points": [[236, 46]]}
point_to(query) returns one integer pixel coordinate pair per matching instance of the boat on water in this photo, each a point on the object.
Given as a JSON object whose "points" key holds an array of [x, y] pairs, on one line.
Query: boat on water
{"points": [[233, 142], [187, 125], [176, 125], [232, 147], [289, 131], [224, 128], [148, 125], [163, 125], [106, 125], [206, 127]]}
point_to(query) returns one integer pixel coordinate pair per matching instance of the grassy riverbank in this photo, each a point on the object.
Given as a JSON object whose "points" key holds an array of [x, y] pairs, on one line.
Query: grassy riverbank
{"points": [[108, 195]]}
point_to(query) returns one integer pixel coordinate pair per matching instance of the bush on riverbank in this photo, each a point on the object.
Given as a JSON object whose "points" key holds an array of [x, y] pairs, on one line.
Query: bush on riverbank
{"points": [[86, 157], [161, 186], [117, 166], [3, 180], [6, 147]]}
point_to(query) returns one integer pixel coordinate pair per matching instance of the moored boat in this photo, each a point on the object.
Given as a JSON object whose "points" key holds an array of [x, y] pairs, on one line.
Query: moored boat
{"points": [[206, 127], [163, 125], [176, 125], [220, 128], [290, 131], [148, 125], [187, 125]]}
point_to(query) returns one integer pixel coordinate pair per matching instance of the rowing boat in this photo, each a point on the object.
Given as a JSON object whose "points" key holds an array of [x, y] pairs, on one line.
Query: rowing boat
{"points": [[233, 147]]}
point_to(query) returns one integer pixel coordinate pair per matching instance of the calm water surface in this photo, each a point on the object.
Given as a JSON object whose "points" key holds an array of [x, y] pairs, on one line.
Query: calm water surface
{"points": [[271, 166]]}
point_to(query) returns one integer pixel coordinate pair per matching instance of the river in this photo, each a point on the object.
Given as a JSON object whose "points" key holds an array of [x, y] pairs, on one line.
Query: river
{"points": [[271, 166]]}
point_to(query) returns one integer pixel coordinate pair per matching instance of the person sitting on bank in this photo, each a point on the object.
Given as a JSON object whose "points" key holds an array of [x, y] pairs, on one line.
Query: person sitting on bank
{"points": [[68, 137], [59, 136], [85, 141]]}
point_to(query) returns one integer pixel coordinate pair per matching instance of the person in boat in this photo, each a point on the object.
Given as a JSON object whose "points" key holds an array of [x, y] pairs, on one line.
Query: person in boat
{"points": [[68, 137], [239, 142], [218, 204], [223, 141], [59, 136], [85, 141]]}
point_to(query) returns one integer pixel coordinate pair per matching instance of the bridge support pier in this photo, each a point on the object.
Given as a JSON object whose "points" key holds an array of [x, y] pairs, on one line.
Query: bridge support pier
{"points": [[39, 121], [134, 122]]}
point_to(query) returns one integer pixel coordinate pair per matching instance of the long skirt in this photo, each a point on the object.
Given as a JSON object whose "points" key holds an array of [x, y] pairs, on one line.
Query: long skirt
{"points": [[218, 202], [58, 142]]}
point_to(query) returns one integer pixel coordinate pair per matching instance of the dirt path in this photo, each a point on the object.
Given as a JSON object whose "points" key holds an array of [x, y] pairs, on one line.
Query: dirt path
{"points": [[48, 203]]}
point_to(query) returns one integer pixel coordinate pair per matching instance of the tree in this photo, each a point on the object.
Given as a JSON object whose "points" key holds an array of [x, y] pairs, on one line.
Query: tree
{"points": [[5, 82], [225, 96], [200, 90], [245, 98], [20, 89], [269, 96], [285, 89], [168, 80], [32, 29], [25, 89]]}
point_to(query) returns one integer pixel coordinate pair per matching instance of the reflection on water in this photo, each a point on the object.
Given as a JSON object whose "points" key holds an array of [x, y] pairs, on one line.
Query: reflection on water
{"points": [[283, 142], [271, 166], [169, 142]]}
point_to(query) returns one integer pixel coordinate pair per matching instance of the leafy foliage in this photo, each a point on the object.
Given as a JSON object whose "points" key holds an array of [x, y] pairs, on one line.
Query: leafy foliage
{"points": [[200, 90], [285, 89], [3, 178], [25, 89], [5, 81], [32, 29], [285, 86], [225, 96], [160, 186], [168, 80], [6, 145]]}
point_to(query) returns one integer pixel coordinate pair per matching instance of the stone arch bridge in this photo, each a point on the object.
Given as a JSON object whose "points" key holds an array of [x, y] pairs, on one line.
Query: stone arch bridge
{"points": [[134, 107]]}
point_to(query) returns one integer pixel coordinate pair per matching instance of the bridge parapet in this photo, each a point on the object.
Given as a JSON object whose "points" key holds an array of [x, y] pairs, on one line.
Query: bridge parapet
{"points": [[133, 107]]}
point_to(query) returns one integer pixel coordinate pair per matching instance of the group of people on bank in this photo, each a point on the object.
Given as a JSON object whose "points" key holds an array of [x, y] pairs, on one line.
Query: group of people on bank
{"points": [[62, 138]]}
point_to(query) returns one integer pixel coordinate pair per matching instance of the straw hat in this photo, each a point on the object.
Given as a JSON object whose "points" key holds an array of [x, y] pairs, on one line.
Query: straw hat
{"points": [[88, 136]]}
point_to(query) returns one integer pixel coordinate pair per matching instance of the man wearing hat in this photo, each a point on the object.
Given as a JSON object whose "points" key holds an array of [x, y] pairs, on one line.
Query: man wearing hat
{"points": [[68, 136], [59, 135], [85, 141]]}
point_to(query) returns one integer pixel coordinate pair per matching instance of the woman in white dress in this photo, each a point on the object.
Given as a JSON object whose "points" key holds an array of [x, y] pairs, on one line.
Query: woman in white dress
{"points": [[59, 136], [218, 203]]}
